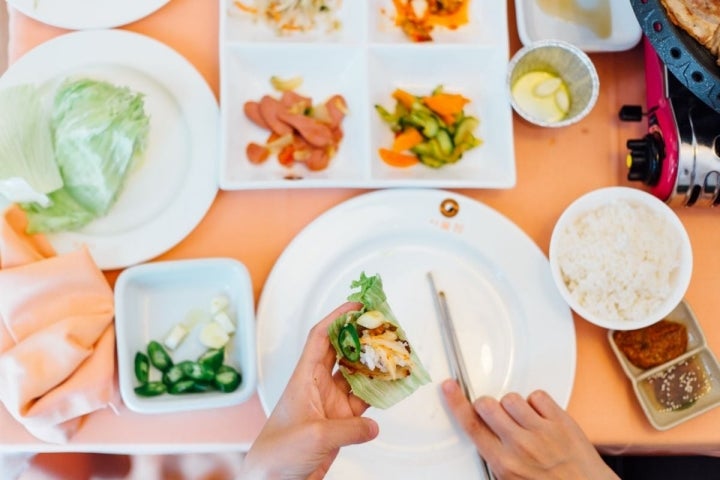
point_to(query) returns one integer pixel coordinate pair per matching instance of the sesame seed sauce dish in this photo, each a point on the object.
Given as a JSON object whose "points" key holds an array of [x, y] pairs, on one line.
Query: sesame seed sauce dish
{"points": [[681, 388]]}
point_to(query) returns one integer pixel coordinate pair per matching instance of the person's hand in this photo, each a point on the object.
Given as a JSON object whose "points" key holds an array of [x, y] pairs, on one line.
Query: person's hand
{"points": [[526, 439], [315, 416]]}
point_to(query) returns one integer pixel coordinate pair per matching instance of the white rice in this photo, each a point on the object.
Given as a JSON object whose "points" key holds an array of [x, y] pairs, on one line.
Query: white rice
{"points": [[618, 260]]}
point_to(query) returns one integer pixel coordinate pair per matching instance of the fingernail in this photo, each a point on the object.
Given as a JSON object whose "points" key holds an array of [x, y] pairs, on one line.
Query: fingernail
{"points": [[483, 404], [449, 386], [373, 428]]}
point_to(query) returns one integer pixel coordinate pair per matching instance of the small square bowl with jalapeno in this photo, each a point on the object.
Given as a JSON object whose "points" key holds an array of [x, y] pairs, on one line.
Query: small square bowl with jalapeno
{"points": [[185, 333]]}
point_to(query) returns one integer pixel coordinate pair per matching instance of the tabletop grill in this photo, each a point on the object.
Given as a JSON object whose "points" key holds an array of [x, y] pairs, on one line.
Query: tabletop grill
{"points": [[679, 157]]}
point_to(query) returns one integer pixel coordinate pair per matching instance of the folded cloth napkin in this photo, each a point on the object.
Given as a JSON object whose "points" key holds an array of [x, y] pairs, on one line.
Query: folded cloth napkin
{"points": [[57, 341]]}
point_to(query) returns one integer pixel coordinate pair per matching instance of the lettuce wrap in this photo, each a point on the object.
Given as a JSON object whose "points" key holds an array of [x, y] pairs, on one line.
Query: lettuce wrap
{"points": [[373, 352]]}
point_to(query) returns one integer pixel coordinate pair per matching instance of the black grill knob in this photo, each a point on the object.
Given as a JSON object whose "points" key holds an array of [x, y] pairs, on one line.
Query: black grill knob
{"points": [[644, 160]]}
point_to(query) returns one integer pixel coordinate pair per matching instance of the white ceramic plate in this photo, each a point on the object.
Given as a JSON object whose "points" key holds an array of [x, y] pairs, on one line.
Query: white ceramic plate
{"points": [[152, 298], [365, 61], [516, 332], [168, 195], [87, 14], [535, 24]]}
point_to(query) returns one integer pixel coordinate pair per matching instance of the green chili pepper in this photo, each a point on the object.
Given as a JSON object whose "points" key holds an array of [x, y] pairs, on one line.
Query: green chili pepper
{"points": [[349, 342], [196, 371], [212, 358], [158, 356], [173, 375], [183, 386], [151, 389], [227, 379], [142, 367]]}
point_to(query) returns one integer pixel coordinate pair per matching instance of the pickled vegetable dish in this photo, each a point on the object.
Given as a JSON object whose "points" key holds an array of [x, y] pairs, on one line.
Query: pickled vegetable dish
{"points": [[418, 18], [433, 129], [158, 373]]}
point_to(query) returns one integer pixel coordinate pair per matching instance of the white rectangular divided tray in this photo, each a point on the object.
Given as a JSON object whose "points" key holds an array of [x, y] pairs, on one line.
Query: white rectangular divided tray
{"points": [[365, 60]]}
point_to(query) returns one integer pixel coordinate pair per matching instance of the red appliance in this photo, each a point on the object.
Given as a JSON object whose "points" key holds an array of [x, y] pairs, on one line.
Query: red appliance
{"points": [[679, 158]]}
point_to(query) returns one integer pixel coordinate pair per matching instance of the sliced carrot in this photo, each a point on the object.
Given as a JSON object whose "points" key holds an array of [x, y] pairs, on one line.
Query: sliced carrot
{"points": [[401, 10], [454, 20], [406, 98], [396, 159], [286, 156], [446, 104], [406, 139], [245, 8]]}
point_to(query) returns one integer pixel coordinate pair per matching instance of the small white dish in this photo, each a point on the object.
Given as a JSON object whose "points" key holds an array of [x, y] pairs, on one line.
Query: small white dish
{"points": [[591, 25], [600, 296], [152, 298]]}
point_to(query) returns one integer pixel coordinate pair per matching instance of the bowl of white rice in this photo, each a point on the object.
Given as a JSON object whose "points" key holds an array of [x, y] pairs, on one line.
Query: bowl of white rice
{"points": [[621, 258]]}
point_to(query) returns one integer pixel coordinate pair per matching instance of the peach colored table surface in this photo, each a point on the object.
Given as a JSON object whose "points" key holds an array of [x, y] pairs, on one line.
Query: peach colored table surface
{"points": [[553, 168]]}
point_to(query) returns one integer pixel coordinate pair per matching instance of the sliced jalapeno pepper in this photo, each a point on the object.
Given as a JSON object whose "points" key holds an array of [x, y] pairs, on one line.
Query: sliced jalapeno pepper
{"points": [[349, 342], [227, 379], [196, 371], [151, 389], [173, 375], [158, 356], [183, 386], [200, 386], [212, 358], [142, 367]]}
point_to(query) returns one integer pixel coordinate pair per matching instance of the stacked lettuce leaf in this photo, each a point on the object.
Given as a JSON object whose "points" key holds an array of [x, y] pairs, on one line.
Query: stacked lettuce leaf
{"points": [[97, 132], [378, 393]]}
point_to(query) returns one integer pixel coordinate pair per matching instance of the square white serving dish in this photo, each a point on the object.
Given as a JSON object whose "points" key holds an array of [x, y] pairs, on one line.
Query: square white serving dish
{"points": [[534, 23], [365, 61], [152, 298]]}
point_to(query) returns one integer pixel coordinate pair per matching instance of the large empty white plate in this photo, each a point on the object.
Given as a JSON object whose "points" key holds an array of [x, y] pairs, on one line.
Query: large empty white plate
{"points": [[87, 14], [516, 332], [176, 182]]}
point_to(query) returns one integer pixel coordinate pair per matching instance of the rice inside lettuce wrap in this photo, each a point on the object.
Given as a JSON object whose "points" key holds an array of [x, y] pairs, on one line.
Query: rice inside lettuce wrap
{"points": [[386, 369]]}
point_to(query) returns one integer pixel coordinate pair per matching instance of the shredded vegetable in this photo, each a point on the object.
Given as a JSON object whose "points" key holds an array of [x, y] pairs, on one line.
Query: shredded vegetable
{"points": [[288, 16], [418, 18]]}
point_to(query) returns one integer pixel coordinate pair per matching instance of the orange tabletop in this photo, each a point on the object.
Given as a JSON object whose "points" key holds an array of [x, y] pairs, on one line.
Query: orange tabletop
{"points": [[554, 167]]}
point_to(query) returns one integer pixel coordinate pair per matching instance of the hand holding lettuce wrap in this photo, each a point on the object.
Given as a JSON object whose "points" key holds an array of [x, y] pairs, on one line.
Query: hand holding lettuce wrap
{"points": [[315, 416], [373, 351]]}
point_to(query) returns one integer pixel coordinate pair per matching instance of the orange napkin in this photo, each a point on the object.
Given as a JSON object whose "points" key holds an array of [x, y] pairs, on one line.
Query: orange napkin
{"points": [[57, 341]]}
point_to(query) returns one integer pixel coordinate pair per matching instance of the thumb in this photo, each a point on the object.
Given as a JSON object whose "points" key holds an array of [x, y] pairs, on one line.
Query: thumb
{"points": [[350, 431]]}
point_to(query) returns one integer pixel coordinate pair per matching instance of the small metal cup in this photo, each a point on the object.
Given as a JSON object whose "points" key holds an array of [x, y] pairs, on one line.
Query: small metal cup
{"points": [[565, 61]]}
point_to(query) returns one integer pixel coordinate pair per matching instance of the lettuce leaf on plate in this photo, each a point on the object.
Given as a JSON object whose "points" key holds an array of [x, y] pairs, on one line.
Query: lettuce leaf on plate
{"points": [[98, 131], [27, 164], [375, 391]]}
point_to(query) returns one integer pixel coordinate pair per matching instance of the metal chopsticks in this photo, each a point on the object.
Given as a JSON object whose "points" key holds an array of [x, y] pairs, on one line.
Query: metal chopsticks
{"points": [[453, 353]]}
